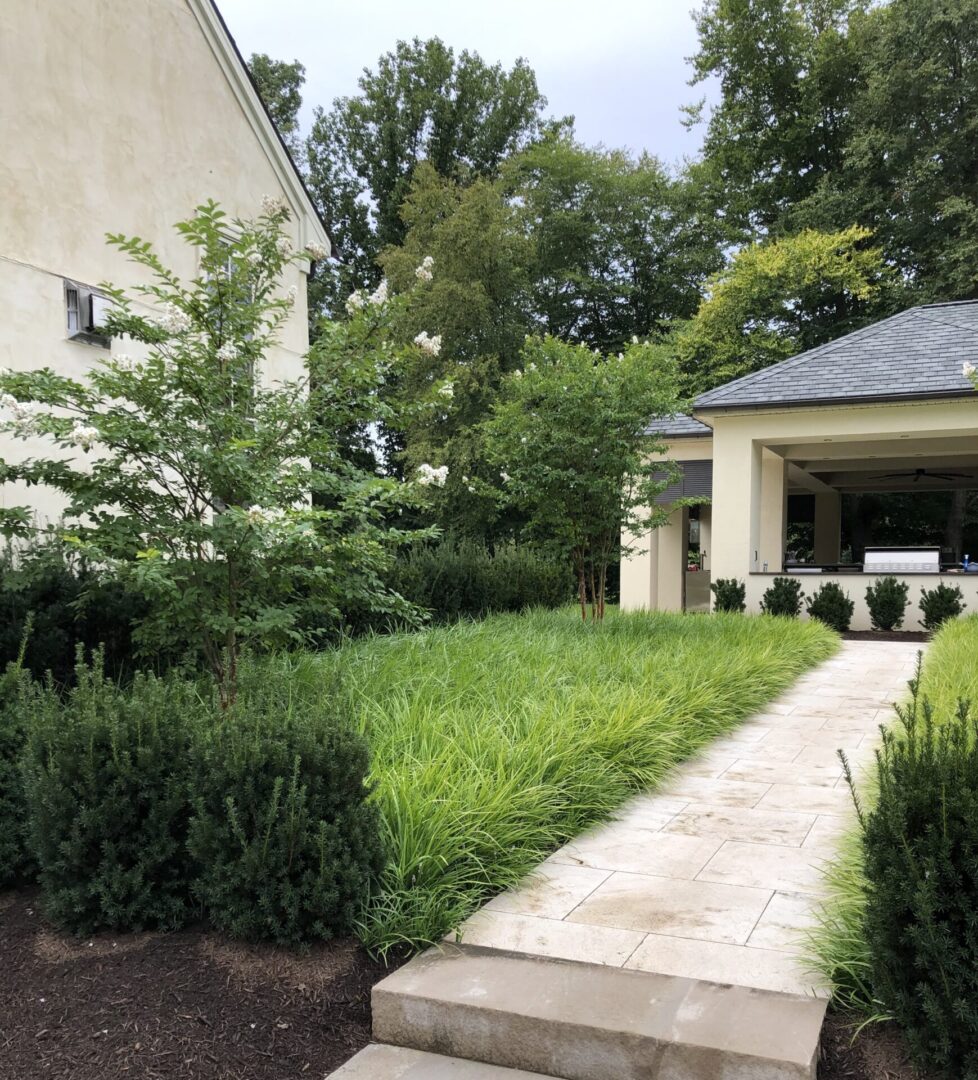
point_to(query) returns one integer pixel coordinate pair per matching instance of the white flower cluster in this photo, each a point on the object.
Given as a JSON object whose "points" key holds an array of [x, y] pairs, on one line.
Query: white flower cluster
{"points": [[124, 362], [316, 252], [291, 296], [273, 204], [428, 475], [83, 435], [968, 370], [173, 320], [429, 345], [504, 476], [284, 246], [23, 412], [227, 353], [423, 272], [259, 515], [357, 300], [447, 390], [254, 257]]}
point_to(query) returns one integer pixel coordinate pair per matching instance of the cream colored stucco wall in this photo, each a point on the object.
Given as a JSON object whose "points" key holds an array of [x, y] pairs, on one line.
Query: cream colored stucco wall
{"points": [[118, 115]]}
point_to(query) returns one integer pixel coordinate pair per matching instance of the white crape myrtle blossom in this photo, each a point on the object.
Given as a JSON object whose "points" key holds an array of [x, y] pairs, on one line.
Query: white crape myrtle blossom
{"points": [[292, 295], [254, 258], [284, 246], [379, 295], [447, 390], [259, 515], [83, 435], [173, 320], [228, 352], [423, 272], [125, 362], [273, 204], [355, 301], [428, 476], [24, 413], [316, 252], [428, 344], [968, 370]]}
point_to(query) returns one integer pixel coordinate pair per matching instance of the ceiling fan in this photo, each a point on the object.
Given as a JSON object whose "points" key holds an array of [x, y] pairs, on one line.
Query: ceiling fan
{"points": [[920, 474]]}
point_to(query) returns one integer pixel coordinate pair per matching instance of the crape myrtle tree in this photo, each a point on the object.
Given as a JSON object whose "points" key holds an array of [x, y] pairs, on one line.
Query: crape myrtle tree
{"points": [[569, 438], [220, 494]]}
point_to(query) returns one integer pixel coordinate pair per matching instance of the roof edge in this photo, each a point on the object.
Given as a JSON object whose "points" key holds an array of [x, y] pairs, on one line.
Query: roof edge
{"points": [[811, 403], [312, 228]]}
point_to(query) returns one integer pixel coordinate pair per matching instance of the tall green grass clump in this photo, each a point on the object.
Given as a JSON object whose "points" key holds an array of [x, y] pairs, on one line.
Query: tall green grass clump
{"points": [[493, 743], [106, 780], [285, 845], [920, 849]]}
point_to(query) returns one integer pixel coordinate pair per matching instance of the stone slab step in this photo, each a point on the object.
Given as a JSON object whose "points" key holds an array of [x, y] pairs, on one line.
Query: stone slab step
{"points": [[379, 1062], [580, 1021]]}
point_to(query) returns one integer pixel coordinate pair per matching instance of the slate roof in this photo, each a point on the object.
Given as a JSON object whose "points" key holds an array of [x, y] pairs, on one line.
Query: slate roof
{"points": [[679, 426], [915, 354]]}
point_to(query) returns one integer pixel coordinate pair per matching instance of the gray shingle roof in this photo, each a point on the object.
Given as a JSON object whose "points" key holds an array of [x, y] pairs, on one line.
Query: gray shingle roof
{"points": [[678, 426], [915, 354]]}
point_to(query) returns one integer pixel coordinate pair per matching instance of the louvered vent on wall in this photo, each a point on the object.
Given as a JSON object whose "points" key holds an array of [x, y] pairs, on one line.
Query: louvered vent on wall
{"points": [[696, 482]]}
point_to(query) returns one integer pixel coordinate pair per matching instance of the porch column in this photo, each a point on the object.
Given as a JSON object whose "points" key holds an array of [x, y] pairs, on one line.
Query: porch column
{"points": [[828, 527], [772, 512], [706, 539], [672, 554], [736, 490]]}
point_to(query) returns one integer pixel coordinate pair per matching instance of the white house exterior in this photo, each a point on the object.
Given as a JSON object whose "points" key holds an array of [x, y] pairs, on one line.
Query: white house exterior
{"points": [[122, 116], [884, 409]]}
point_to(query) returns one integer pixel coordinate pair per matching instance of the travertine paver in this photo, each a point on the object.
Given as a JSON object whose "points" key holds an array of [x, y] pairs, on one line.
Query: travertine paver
{"points": [[717, 876]]}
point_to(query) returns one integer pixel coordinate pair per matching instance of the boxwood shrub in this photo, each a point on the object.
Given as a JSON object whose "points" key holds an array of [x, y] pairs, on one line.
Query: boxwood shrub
{"points": [[106, 786], [939, 604], [920, 844], [285, 844], [783, 597], [832, 606], [887, 601], [729, 594]]}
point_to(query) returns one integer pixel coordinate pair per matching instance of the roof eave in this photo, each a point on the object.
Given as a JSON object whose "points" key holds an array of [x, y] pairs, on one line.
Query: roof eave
{"points": [[808, 403]]}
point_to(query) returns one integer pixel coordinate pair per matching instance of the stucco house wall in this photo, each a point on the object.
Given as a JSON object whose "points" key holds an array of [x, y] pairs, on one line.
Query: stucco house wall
{"points": [[122, 116]]}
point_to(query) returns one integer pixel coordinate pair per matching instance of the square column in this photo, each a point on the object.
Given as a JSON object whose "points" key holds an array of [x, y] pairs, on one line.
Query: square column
{"points": [[773, 513]]}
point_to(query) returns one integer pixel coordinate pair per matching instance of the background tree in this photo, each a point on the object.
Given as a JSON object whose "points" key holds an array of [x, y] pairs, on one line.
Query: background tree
{"points": [[780, 298], [422, 102], [280, 86], [618, 245], [569, 440]]}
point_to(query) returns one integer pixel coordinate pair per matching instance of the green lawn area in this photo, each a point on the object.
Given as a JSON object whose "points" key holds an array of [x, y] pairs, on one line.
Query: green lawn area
{"points": [[495, 742], [838, 948]]}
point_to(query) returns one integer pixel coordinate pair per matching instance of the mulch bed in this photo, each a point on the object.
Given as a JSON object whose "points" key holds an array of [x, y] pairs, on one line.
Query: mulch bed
{"points": [[188, 1005], [877, 1053], [886, 635]]}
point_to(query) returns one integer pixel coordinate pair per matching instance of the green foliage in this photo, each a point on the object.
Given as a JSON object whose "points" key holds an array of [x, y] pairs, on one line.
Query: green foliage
{"points": [[495, 742], [15, 862], [940, 604], [198, 493], [458, 578], [832, 606], [920, 846], [280, 88], [887, 600], [105, 777], [569, 440], [839, 947], [286, 846], [729, 594], [778, 298], [420, 103], [783, 597]]}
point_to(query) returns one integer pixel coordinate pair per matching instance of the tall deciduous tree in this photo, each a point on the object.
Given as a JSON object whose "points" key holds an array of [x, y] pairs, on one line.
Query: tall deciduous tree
{"points": [[777, 299], [569, 440], [619, 246], [421, 102], [280, 86]]}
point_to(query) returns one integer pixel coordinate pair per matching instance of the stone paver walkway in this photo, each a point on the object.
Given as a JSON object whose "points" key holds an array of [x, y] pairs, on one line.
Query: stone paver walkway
{"points": [[716, 875]]}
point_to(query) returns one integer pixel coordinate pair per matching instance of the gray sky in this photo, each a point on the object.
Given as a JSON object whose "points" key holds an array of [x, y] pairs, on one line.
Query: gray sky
{"points": [[617, 65]]}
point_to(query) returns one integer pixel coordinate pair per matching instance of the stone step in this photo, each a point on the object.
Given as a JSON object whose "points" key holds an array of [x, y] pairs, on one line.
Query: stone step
{"points": [[379, 1062], [578, 1021]]}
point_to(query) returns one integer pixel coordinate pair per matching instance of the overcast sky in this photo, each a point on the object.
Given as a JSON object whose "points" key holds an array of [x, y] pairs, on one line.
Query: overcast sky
{"points": [[618, 66]]}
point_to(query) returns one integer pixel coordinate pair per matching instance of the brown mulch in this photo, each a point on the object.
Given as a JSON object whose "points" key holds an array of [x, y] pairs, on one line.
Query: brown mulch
{"points": [[878, 1052], [886, 635], [188, 1005]]}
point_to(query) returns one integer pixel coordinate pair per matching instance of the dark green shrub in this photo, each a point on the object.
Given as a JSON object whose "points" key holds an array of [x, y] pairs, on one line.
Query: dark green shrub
{"points": [[831, 606], [729, 594], [462, 579], [783, 597], [105, 780], [940, 604], [14, 860], [920, 843], [286, 844], [887, 601]]}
